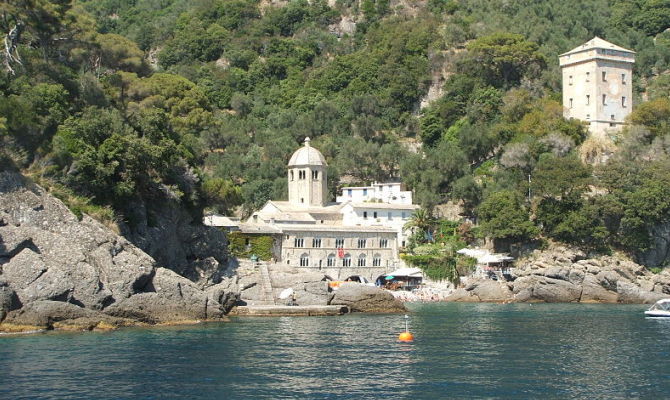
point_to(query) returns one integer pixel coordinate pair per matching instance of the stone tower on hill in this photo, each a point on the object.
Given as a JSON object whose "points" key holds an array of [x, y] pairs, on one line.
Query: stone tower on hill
{"points": [[308, 177], [597, 85]]}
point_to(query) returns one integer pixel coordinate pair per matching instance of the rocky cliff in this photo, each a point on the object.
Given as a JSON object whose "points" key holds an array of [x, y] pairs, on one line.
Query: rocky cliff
{"points": [[60, 272], [562, 274]]}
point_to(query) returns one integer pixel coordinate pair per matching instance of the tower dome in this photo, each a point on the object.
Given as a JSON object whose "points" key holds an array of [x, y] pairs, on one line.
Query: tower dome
{"points": [[307, 155], [307, 177]]}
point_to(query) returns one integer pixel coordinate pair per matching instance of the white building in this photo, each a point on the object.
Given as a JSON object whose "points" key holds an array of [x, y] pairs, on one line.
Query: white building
{"points": [[597, 85], [350, 237], [379, 192]]}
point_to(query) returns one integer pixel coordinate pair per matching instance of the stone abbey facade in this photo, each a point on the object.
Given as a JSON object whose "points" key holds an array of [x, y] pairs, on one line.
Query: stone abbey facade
{"points": [[358, 235], [597, 85]]}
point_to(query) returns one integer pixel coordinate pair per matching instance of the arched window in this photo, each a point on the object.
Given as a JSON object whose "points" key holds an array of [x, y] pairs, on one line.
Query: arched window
{"points": [[331, 260], [315, 175], [377, 260], [291, 174], [361, 260], [304, 260], [346, 261]]}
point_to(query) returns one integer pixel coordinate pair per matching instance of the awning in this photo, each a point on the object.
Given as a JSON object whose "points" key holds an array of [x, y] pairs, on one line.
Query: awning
{"points": [[409, 272]]}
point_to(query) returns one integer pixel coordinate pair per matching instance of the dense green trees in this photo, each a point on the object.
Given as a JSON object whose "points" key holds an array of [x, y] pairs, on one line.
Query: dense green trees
{"points": [[203, 102]]}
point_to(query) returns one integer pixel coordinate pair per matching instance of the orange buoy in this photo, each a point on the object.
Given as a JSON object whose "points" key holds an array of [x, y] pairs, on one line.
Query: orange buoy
{"points": [[406, 337]]}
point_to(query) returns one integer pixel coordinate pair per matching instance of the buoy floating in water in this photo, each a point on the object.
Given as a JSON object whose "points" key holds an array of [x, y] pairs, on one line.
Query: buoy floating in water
{"points": [[407, 335]]}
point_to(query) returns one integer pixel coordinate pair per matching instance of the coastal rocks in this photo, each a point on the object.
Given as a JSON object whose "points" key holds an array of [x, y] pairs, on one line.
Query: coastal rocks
{"points": [[364, 298], [563, 274], [55, 267], [483, 290]]}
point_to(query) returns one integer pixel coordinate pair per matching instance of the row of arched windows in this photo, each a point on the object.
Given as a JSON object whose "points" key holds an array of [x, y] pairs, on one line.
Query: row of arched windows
{"points": [[346, 261], [302, 174]]}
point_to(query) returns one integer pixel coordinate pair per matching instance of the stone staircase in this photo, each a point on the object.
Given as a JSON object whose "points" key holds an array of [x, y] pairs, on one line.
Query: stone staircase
{"points": [[265, 284]]}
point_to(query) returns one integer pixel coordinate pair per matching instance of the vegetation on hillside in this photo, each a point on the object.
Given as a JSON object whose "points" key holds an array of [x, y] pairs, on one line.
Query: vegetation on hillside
{"points": [[128, 103]]}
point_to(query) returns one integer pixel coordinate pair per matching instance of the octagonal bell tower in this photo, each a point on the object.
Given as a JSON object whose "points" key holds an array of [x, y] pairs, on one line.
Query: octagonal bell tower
{"points": [[307, 177]]}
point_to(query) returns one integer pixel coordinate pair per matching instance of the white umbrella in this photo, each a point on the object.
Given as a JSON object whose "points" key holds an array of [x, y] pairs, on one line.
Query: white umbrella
{"points": [[286, 293]]}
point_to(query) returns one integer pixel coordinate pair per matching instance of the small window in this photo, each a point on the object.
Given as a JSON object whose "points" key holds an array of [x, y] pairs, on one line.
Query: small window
{"points": [[623, 79], [403, 244], [298, 242], [365, 215], [349, 192], [304, 260], [570, 103], [404, 215], [390, 215], [316, 243], [588, 117], [612, 117], [588, 76], [361, 243], [330, 262], [374, 214], [291, 174], [570, 80], [604, 76], [623, 101], [339, 243], [588, 99], [612, 124], [383, 243], [604, 100], [365, 192], [361, 260], [377, 261], [315, 175], [346, 261], [302, 199]]}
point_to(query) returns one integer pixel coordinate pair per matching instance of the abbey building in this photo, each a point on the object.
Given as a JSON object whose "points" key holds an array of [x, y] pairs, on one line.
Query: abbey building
{"points": [[359, 234]]}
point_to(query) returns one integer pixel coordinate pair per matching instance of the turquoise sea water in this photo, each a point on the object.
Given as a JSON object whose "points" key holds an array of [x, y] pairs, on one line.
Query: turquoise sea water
{"points": [[460, 351]]}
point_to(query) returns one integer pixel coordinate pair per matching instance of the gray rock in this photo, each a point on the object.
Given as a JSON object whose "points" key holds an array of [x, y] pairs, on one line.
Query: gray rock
{"points": [[541, 288], [174, 298], [594, 292], [44, 313], [364, 298], [631, 293], [8, 300]]}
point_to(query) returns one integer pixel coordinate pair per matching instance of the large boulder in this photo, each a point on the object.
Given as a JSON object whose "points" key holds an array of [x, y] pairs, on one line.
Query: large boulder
{"points": [[46, 314], [364, 298], [170, 298], [484, 290], [542, 288]]}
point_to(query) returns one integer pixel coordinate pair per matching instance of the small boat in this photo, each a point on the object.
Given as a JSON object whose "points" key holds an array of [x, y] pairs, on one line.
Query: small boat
{"points": [[659, 310]]}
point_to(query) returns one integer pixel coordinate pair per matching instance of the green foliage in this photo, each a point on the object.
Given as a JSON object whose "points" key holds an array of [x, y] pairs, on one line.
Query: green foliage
{"points": [[503, 216], [246, 245]]}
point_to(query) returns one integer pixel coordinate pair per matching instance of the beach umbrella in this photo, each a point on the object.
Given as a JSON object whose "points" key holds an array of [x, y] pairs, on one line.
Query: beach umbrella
{"points": [[286, 293], [388, 278]]}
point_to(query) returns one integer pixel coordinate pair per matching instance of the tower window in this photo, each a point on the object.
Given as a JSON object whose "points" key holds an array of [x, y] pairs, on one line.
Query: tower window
{"points": [[291, 174], [588, 99], [570, 103], [623, 79], [588, 75], [315, 175], [604, 76], [604, 100], [570, 80], [623, 101], [588, 117]]}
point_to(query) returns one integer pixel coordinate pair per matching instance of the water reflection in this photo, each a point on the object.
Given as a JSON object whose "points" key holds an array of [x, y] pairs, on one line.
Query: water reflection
{"points": [[461, 350]]}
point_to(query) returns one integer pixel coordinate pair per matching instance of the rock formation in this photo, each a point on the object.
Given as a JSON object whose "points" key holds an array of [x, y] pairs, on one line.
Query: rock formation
{"points": [[364, 298], [55, 268], [565, 275]]}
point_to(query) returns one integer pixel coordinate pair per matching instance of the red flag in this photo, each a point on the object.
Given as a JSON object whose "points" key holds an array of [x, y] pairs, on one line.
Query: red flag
{"points": [[340, 252]]}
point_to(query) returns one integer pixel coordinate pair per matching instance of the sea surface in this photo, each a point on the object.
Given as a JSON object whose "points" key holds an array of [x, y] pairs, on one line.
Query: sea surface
{"points": [[538, 351]]}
